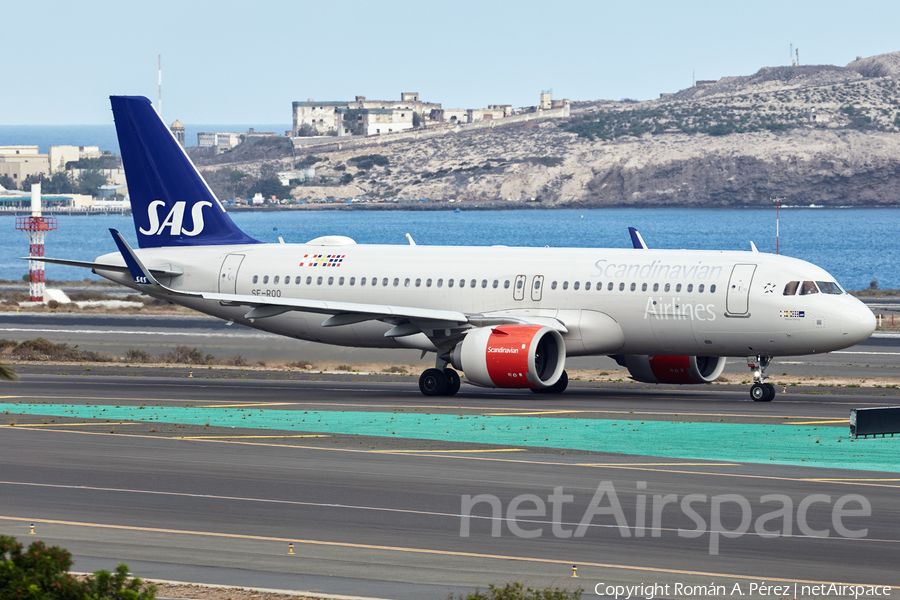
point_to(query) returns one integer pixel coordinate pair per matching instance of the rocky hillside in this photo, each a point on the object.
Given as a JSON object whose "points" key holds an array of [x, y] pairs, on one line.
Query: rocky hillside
{"points": [[813, 135]]}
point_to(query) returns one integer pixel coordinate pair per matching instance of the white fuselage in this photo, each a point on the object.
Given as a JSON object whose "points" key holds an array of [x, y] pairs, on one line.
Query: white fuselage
{"points": [[705, 303]]}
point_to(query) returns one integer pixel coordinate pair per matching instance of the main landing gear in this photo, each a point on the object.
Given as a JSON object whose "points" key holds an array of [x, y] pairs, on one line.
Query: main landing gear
{"points": [[760, 391], [439, 382]]}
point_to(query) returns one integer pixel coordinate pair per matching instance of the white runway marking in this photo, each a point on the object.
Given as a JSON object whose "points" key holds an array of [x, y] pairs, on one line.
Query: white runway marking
{"points": [[248, 334]]}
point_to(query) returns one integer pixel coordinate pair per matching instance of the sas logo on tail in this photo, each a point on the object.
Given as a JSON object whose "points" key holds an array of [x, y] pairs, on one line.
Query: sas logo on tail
{"points": [[174, 221]]}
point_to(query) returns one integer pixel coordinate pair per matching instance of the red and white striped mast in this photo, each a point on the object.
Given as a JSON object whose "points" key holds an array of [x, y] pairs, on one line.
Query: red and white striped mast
{"points": [[36, 228]]}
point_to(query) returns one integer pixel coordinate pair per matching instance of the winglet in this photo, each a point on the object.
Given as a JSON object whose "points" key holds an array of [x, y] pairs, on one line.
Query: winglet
{"points": [[139, 273], [636, 240], [753, 247]]}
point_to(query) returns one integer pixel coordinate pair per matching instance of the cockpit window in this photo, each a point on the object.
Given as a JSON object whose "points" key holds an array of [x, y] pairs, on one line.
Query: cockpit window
{"points": [[829, 287], [808, 288], [791, 288]]}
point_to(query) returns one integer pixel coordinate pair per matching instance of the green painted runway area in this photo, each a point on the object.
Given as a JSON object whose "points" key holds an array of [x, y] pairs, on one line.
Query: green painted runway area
{"points": [[766, 444]]}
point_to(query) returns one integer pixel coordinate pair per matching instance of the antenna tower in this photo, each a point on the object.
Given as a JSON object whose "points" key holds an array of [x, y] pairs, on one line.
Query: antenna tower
{"points": [[36, 227]]}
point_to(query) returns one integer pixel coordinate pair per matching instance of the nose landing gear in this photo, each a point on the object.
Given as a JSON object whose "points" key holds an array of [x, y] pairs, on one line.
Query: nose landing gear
{"points": [[760, 391]]}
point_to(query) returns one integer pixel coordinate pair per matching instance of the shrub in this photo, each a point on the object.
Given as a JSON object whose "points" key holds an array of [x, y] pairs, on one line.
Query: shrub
{"points": [[43, 572], [185, 355], [515, 591], [137, 355]]}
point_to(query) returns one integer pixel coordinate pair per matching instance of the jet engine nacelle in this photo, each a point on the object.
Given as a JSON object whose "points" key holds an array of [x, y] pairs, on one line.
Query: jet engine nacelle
{"points": [[511, 356], [672, 369]]}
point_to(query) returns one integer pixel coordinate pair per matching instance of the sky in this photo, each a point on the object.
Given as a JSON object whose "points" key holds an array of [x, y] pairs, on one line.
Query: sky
{"points": [[228, 61]]}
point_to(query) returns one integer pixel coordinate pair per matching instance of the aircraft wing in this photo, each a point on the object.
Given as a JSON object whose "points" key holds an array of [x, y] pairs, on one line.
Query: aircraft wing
{"points": [[407, 320]]}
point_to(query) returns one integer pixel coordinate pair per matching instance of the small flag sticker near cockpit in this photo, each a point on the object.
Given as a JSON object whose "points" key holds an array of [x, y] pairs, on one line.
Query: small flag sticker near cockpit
{"points": [[792, 314]]}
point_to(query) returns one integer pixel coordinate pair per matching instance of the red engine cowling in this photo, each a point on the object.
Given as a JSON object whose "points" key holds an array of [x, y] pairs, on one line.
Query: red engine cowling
{"points": [[511, 356], [672, 369]]}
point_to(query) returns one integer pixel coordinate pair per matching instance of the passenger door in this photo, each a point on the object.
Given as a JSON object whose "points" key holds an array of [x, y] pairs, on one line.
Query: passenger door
{"points": [[519, 289], [738, 298], [228, 274]]}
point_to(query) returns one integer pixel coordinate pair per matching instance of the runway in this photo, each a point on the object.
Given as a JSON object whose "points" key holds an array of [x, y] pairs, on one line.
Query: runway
{"points": [[379, 515], [878, 357]]}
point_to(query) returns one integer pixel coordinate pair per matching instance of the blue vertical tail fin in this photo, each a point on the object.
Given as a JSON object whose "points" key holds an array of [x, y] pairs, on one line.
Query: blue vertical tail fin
{"points": [[170, 201]]}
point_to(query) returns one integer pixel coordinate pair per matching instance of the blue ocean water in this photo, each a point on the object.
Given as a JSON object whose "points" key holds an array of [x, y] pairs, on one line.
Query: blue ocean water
{"points": [[855, 245], [103, 136]]}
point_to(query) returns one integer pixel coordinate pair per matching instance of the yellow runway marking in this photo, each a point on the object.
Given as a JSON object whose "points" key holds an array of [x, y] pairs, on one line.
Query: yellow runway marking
{"points": [[235, 437], [543, 412], [840, 480], [818, 422], [240, 405], [625, 466], [67, 424], [454, 451], [427, 551]]}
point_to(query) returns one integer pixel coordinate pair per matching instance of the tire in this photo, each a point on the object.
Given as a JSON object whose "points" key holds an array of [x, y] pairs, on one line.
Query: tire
{"points": [[453, 382], [760, 393], [771, 389], [433, 382], [557, 388]]}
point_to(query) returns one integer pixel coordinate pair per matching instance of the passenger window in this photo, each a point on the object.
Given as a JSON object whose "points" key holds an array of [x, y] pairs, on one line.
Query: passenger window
{"points": [[576, 285], [599, 286], [341, 281], [362, 281], [353, 281], [318, 281], [622, 287], [668, 287], [587, 286], [808, 288], [790, 288], [700, 288], [308, 280], [374, 281], [406, 282], [265, 279], [484, 283], [506, 284], [418, 282], [633, 286], [712, 289], [610, 286], [829, 287], [287, 280], [565, 285], [537, 283], [331, 281], [440, 282], [520, 283], [298, 279], [655, 287], [678, 287], [450, 282], [255, 278], [495, 284], [473, 283], [553, 286], [462, 283], [644, 287], [690, 288], [428, 282], [274, 281], [384, 282]]}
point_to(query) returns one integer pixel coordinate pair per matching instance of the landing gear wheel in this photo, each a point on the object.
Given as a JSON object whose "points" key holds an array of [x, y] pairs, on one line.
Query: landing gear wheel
{"points": [[433, 382], [453, 382], [762, 392], [557, 388]]}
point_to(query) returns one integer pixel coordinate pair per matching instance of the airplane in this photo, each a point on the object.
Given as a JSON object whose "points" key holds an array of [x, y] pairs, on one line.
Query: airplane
{"points": [[507, 317]]}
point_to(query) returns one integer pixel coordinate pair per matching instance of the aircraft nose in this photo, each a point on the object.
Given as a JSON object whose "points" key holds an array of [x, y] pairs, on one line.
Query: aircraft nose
{"points": [[857, 324]]}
